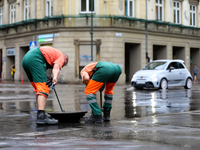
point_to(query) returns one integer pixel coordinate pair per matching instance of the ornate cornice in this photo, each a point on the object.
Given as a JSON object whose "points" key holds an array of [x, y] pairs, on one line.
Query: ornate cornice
{"points": [[179, 0], [194, 2], [98, 41], [1, 3], [11, 1], [76, 42]]}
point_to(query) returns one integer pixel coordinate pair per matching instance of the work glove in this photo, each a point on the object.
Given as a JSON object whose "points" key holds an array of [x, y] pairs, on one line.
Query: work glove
{"points": [[49, 81]]}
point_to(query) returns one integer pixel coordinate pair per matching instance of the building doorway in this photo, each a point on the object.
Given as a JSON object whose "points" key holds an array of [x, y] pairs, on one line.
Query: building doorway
{"points": [[159, 52], [179, 53], [132, 59], [194, 58]]}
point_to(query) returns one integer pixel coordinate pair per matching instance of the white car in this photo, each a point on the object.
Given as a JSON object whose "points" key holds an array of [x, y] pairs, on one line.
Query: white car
{"points": [[162, 74]]}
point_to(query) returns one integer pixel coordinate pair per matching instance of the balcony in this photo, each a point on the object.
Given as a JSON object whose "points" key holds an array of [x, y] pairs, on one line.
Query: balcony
{"points": [[80, 21]]}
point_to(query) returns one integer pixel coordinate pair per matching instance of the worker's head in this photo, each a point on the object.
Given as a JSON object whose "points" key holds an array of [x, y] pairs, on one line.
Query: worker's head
{"points": [[66, 59]]}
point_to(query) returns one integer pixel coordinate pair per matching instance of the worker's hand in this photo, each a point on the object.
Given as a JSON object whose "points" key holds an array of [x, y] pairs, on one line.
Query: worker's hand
{"points": [[49, 81], [54, 81], [86, 79], [86, 82]]}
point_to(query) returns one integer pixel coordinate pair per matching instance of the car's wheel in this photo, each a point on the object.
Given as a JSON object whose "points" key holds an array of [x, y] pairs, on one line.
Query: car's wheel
{"points": [[188, 84], [163, 84]]}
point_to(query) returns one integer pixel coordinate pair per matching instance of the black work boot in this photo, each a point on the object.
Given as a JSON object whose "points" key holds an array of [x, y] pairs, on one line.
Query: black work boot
{"points": [[44, 118], [95, 119], [106, 114]]}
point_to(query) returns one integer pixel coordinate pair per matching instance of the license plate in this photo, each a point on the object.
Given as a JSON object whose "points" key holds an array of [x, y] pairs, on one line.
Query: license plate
{"points": [[140, 82]]}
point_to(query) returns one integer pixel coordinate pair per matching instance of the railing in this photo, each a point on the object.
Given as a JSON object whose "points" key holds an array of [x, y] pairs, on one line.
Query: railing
{"points": [[107, 21]]}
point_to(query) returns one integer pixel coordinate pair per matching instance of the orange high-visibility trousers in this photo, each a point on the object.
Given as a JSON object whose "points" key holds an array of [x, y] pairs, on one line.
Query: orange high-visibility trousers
{"points": [[106, 73]]}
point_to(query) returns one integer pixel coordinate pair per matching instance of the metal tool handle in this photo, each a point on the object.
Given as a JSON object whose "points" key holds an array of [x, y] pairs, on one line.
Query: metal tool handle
{"points": [[53, 87], [100, 99], [101, 90]]}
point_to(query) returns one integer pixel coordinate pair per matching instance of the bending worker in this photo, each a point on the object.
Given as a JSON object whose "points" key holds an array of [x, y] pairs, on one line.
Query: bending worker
{"points": [[35, 63], [94, 75]]}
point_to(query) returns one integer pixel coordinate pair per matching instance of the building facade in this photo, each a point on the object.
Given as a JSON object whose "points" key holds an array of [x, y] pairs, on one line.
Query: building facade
{"points": [[126, 32]]}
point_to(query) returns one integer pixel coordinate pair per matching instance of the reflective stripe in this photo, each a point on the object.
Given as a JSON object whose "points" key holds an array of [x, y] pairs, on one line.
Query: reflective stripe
{"points": [[109, 95], [92, 101], [91, 95], [108, 101]]}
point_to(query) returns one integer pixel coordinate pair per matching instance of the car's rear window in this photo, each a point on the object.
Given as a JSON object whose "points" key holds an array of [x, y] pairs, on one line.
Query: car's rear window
{"points": [[155, 65]]}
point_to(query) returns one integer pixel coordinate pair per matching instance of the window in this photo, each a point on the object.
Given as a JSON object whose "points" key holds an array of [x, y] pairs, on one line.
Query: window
{"points": [[85, 56], [155, 65], [159, 10], [12, 13], [177, 12], [26, 9], [85, 6], [180, 66], [193, 15], [1, 15], [174, 64], [49, 8], [130, 5]]}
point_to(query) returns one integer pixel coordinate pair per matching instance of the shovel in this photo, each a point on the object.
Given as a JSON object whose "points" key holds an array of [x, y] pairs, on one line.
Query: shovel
{"points": [[66, 116]]}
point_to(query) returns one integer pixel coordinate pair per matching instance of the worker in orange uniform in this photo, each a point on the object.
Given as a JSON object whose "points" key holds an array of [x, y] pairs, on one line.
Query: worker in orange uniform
{"points": [[35, 63], [94, 76]]}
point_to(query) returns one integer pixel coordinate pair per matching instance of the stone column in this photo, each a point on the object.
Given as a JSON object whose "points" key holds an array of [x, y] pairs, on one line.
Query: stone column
{"points": [[187, 56], [169, 51], [17, 63]]}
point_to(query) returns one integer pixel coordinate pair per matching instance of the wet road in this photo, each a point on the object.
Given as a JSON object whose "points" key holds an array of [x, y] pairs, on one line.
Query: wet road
{"points": [[140, 119]]}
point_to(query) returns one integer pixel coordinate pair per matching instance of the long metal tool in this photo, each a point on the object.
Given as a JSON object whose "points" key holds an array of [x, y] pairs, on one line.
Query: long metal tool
{"points": [[64, 116], [101, 90], [53, 87], [100, 99]]}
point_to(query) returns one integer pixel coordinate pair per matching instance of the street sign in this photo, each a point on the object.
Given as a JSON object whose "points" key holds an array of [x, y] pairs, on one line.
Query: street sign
{"points": [[45, 40], [118, 34], [45, 36], [32, 44]]}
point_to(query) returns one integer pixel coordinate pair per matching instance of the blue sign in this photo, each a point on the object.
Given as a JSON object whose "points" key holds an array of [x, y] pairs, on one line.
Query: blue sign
{"points": [[32, 44], [45, 36]]}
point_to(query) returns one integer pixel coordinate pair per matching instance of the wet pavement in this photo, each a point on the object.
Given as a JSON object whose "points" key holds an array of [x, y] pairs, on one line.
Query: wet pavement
{"points": [[140, 119]]}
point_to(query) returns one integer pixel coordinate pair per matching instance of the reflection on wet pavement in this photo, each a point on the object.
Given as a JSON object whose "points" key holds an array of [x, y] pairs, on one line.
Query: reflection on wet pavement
{"points": [[127, 103], [142, 103], [140, 119]]}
